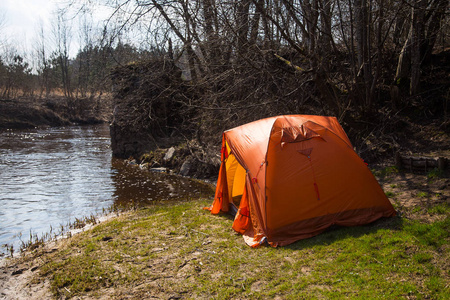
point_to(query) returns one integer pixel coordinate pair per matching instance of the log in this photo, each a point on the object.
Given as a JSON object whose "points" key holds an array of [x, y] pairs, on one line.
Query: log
{"points": [[420, 163]]}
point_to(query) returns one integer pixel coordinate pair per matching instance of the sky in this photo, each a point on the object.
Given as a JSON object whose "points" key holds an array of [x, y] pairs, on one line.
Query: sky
{"points": [[22, 19]]}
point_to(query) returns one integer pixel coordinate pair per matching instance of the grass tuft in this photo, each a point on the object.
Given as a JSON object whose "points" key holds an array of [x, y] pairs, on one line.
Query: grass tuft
{"points": [[435, 174], [439, 209], [385, 172], [390, 194]]}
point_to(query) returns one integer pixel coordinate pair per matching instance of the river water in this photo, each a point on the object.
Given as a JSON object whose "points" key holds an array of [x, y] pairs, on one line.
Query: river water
{"points": [[49, 177]]}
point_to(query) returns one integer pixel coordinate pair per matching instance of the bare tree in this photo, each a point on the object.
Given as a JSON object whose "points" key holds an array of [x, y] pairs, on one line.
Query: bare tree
{"points": [[338, 51], [62, 37], [84, 57], [2, 25], [43, 63], [425, 24]]}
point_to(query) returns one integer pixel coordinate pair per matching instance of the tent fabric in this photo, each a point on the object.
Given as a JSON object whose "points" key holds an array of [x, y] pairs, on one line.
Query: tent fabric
{"points": [[295, 175]]}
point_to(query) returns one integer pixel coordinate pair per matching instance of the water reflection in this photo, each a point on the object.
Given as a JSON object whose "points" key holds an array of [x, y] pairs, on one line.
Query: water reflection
{"points": [[143, 187], [49, 177]]}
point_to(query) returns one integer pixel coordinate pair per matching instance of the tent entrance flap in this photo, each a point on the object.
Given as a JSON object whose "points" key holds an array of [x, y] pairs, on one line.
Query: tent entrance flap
{"points": [[235, 179]]}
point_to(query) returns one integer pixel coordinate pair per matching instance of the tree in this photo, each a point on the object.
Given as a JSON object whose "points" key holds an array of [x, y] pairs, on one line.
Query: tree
{"points": [[62, 36], [339, 52], [425, 24], [43, 63], [17, 78]]}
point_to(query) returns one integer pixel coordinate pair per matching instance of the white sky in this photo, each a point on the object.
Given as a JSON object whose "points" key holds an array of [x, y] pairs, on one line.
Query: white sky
{"points": [[22, 17], [21, 21]]}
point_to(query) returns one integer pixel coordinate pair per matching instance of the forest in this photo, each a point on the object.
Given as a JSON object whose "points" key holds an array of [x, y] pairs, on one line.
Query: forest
{"points": [[195, 68]]}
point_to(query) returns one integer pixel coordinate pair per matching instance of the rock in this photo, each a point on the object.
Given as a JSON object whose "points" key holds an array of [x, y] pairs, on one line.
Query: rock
{"points": [[18, 272], [215, 161], [186, 167], [169, 154], [34, 268], [144, 166], [159, 170]]}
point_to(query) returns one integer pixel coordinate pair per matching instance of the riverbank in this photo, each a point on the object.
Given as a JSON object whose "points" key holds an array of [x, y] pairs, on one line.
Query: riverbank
{"points": [[179, 251], [31, 112], [18, 269]]}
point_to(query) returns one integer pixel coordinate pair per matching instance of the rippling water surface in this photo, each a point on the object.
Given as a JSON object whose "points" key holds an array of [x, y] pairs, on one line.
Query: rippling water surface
{"points": [[49, 177]]}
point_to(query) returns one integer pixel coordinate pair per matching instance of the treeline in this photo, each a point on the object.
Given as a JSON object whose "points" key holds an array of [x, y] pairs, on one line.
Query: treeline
{"points": [[84, 76], [243, 60], [49, 66]]}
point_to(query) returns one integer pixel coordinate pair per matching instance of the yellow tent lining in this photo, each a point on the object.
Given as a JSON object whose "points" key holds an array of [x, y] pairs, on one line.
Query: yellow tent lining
{"points": [[235, 176]]}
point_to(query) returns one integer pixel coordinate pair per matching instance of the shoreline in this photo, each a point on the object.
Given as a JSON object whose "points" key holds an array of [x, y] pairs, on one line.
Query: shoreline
{"points": [[32, 112], [16, 272], [43, 242], [107, 214]]}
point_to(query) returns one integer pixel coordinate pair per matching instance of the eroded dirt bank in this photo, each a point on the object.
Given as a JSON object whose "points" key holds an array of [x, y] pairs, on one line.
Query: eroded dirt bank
{"points": [[29, 112]]}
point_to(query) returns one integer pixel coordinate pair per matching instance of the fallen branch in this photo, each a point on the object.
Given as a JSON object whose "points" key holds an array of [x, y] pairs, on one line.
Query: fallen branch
{"points": [[290, 64]]}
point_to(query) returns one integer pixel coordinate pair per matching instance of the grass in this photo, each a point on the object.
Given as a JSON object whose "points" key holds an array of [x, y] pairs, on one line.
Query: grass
{"points": [[439, 209], [181, 251], [34, 241], [422, 195], [390, 194], [435, 174], [385, 172]]}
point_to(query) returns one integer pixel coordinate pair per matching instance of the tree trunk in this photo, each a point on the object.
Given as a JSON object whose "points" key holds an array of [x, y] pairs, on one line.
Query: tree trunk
{"points": [[255, 27], [363, 49], [325, 27], [310, 16], [404, 62], [242, 30], [435, 16], [417, 40], [212, 51]]}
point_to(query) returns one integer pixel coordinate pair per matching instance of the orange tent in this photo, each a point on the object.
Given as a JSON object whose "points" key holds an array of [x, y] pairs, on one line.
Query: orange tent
{"points": [[291, 177]]}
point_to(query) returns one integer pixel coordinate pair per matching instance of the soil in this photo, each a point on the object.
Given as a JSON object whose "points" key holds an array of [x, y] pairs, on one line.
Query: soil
{"points": [[29, 112], [414, 194], [16, 281]]}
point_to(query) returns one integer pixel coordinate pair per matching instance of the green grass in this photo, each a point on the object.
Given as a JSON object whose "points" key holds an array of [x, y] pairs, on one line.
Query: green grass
{"points": [[423, 195], [416, 209], [435, 174], [385, 172], [390, 194], [180, 250], [439, 209]]}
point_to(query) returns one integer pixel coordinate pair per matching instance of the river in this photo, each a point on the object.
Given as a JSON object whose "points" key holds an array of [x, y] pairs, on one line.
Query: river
{"points": [[49, 177]]}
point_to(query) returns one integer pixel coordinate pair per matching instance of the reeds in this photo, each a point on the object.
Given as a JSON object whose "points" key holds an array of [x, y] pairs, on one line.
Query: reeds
{"points": [[35, 241]]}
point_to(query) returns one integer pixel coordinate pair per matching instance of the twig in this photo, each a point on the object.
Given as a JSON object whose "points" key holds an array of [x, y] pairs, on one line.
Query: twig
{"points": [[200, 232]]}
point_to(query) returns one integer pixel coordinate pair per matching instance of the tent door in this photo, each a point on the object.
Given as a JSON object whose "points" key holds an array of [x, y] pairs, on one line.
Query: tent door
{"points": [[235, 179]]}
